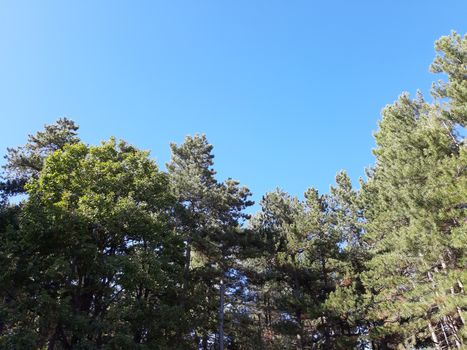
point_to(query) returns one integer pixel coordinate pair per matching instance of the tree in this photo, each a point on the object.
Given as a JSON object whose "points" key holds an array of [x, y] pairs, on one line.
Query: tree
{"points": [[345, 306], [209, 215], [300, 268], [105, 251], [451, 59], [25, 162], [102, 265], [273, 281], [412, 193]]}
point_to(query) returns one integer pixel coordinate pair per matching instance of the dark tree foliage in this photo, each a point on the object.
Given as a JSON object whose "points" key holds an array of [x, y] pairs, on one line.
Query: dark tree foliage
{"points": [[27, 161]]}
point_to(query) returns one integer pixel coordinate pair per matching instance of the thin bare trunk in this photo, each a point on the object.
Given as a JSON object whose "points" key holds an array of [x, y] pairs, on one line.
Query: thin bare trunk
{"points": [[461, 317], [434, 338], [186, 271], [221, 314], [260, 332], [298, 314], [445, 335]]}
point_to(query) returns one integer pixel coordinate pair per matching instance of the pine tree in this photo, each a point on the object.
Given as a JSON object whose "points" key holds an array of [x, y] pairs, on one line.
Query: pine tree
{"points": [[345, 305], [26, 161], [269, 276], [209, 216], [299, 269], [415, 195]]}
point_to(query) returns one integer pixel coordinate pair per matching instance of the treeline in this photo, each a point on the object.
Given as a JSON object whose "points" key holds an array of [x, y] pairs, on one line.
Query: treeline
{"points": [[106, 251]]}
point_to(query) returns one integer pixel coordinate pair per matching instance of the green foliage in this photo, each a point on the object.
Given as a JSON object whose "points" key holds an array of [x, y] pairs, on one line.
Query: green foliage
{"points": [[208, 215], [415, 199], [94, 259], [105, 251], [451, 60], [26, 161]]}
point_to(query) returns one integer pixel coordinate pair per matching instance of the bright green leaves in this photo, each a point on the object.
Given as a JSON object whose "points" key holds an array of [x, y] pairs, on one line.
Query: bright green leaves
{"points": [[96, 228]]}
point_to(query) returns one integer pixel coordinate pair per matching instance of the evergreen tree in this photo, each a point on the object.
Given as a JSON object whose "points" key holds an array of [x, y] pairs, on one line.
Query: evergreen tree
{"points": [[26, 161], [451, 60], [299, 270], [415, 194], [209, 215], [345, 305]]}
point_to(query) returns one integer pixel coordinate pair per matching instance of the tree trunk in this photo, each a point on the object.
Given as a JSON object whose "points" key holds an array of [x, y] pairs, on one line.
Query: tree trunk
{"points": [[434, 338], [186, 272], [298, 315], [51, 343], [298, 311], [260, 332], [221, 314]]}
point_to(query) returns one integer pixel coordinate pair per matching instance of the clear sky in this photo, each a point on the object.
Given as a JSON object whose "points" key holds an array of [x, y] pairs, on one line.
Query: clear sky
{"points": [[289, 92]]}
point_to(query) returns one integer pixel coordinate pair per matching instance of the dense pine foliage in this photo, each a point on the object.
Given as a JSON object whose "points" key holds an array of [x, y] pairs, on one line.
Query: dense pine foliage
{"points": [[100, 249]]}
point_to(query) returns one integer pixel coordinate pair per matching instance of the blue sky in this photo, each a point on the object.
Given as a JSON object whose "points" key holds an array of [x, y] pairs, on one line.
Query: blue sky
{"points": [[289, 92]]}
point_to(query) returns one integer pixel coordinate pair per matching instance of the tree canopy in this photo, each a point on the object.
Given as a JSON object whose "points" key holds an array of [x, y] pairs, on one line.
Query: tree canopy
{"points": [[101, 249]]}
